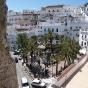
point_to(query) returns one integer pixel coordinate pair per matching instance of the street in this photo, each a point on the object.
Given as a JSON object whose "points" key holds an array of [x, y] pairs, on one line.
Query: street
{"points": [[22, 73]]}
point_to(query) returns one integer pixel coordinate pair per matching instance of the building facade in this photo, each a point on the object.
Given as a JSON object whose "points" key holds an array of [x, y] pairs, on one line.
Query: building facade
{"points": [[60, 19]]}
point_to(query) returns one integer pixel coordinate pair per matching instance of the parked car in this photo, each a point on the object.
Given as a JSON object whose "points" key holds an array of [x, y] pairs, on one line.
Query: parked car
{"points": [[51, 86], [38, 84], [16, 52], [24, 82]]}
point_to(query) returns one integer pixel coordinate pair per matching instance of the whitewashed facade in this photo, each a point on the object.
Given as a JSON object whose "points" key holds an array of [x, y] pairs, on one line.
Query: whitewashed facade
{"points": [[13, 31], [60, 19], [83, 38], [85, 8]]}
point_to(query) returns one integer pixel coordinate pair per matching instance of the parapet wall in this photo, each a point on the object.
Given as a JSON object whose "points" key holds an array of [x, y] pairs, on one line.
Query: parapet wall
{"points": [[70, 71]]}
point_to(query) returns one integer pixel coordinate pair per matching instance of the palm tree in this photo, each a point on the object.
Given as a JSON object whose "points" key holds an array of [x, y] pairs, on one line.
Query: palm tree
{"points": [[22, 42], [57, 58], [33, 46], [75, 49], [70, 49], [50, 38]]}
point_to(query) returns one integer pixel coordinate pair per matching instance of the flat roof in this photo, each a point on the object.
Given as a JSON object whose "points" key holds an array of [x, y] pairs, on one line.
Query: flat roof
{"points": [[54, 6]]}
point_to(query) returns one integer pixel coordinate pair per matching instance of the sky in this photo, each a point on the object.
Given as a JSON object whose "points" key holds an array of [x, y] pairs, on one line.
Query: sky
{"points": [[19, 5]]}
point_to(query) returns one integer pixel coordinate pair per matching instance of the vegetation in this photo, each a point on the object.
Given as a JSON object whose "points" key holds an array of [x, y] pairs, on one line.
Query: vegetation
{"points": [[23, 45], [33, 48], [66, 49]]}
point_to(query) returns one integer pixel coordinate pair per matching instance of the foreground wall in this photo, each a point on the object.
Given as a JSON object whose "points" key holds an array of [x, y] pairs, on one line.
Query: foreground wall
{"points": [[8, 77], [67, 75]]}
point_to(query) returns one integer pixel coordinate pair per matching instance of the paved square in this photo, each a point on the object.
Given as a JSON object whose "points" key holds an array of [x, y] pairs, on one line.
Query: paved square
{"points": [[80, 80]]}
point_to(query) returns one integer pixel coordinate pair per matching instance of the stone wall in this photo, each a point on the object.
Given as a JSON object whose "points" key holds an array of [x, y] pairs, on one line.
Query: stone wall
{"points": [[70, 72], [8, 77]]}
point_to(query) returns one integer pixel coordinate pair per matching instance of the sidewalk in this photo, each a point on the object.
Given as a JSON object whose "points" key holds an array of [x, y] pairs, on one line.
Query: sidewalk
{"points": [[80, 80]]}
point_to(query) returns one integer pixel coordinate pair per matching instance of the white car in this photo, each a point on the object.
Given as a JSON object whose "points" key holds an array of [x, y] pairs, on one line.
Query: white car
{"points": [[38, 84], [25, 83]]}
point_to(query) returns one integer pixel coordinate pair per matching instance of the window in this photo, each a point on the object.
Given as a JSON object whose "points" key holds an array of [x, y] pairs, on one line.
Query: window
{"points": [[85, 36], [82, 43], [65, 23], [25, 24], [79, 27], [48, 10], [70, 28], [53, 11], [57, 30], [48, 29], [78, 35], [52, 29], [45, 30]]}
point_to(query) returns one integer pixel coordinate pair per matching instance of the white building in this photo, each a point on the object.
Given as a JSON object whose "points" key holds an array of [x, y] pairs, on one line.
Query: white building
{"points": [[24, 18], [85, 8], [13, 31], [44, 27], [60, 19], [83, 38], [19, 22]]}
